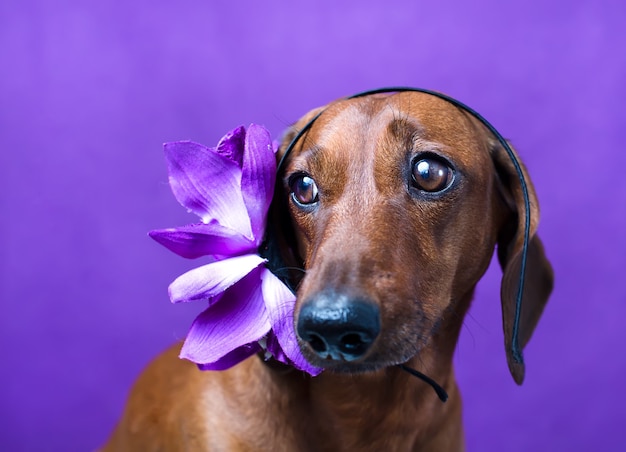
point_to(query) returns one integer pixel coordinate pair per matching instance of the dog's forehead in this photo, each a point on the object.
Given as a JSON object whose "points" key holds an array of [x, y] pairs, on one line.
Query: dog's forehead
{"points": [[391, 122]]}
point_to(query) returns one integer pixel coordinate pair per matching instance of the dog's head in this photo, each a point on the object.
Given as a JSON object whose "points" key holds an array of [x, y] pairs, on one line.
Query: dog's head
{"points": [[393, 205]]}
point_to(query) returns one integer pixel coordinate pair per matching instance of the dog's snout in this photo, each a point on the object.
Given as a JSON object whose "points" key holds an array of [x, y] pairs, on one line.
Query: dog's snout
{"points": [[338, 327]]}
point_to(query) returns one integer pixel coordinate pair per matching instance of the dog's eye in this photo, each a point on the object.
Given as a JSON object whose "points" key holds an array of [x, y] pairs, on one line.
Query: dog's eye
{"points": [[431, 175], [304, 190]]}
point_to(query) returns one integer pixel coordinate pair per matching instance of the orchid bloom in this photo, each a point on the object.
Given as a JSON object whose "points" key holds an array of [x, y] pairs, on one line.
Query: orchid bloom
{"points": [[249, 309]]}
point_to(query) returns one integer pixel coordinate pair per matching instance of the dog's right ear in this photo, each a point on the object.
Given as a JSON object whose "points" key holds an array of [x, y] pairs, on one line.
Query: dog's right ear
{"points": [[538, 280], [281, 247]]}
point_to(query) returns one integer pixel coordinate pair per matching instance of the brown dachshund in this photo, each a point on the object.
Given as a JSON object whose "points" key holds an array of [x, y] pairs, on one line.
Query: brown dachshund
{"points": [[393, 205]]}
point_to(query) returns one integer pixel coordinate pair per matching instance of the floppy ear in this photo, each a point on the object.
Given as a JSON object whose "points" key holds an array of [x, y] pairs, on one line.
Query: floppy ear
{"points": [[280, 246], [538, 280]]}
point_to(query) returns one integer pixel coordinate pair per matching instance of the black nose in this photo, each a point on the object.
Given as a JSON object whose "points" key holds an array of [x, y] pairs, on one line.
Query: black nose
{"points": [[338, 327]]}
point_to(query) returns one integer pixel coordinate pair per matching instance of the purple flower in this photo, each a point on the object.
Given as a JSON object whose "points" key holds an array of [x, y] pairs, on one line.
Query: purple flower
{"points": [[249, 309]]}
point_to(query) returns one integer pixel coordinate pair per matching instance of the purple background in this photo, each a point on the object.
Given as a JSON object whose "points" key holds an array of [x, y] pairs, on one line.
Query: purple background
{"points": [[90, 90]]}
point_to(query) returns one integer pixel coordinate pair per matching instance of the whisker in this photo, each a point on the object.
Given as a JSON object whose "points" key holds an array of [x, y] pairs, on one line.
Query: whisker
{"points": [[290, 268]]}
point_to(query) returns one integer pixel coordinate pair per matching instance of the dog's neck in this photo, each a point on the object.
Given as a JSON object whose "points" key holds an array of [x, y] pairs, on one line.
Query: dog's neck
{"points": [[384, 410], [390, 408]]}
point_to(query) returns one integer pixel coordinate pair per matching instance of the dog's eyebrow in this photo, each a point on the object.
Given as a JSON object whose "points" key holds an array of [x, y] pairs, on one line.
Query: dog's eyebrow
{"points": [[308, 157], [405, 130]]}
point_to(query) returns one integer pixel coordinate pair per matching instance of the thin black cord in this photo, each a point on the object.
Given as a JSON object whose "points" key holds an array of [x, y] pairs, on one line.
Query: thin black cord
{"points": [[515, 348], [441, 393]]}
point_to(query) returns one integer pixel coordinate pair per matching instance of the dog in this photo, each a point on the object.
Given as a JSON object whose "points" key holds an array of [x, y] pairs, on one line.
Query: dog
{"points": [[392, 205]]}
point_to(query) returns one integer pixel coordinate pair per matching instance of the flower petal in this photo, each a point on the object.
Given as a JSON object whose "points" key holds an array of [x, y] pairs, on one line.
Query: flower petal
{"points": [[273, 347], [201, 239], [208, 184], [232, 358], [232, 145], [239, 318], [212, 279], [280, 302], [258, 177]]}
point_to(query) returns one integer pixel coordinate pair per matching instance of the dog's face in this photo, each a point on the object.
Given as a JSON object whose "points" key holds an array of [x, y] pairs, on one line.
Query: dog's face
{"points": [[396, 205]]}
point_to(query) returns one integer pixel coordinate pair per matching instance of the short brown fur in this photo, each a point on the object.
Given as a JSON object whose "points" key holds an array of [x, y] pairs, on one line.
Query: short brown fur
{"points": [[418, 257]]}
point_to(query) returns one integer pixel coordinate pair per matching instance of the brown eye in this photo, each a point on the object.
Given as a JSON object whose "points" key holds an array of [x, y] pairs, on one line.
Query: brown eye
{"points": [[431, 175], [304, 190]]}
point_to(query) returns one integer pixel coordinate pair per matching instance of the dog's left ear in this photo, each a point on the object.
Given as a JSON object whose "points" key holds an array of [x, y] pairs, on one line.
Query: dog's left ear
{"points": [[538, 280]]}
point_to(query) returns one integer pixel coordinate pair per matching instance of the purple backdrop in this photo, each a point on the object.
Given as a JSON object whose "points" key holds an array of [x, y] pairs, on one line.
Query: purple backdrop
{"points": [[90, 90]]}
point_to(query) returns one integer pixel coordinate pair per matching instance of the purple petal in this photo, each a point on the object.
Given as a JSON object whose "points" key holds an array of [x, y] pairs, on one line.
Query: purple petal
{"points": [[208, 184], [232, 145], [201, 239], [258, 176], [273, 346], [232, 358], [238, 319], [212, 279], [275, 146], [280, 302]]}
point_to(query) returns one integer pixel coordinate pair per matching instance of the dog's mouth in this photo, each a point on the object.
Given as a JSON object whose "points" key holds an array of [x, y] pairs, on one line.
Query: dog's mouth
{"points": [[353, 352], [339, 365], [343, 366]]}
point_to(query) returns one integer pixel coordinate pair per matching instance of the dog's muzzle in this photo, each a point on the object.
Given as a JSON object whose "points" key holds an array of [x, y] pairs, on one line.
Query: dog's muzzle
{"points": [[338, 327]]}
